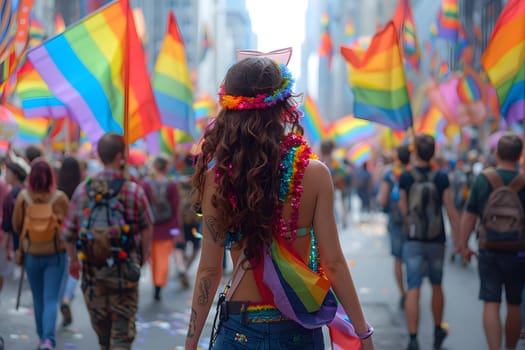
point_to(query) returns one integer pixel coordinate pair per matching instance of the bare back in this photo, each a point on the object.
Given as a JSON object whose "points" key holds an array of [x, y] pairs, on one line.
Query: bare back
{"points": [[316, 210]]}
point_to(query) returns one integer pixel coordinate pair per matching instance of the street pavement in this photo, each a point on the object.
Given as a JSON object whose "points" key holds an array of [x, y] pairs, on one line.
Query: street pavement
{"points": [[162, 325]]}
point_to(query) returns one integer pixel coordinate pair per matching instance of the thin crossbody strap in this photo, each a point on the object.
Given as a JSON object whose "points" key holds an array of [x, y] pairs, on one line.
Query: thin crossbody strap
{"points": [[238, 273]]}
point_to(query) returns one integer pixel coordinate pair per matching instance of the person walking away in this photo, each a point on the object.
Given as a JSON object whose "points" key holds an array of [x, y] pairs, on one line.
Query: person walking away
{"points": [[364, 188], [249, 201], [108, 232], [163, 196], [497, 202], [68, 178], [5, 245], [423, 192], [37, 218], [16, 172], [191, 224], [388, 198]]}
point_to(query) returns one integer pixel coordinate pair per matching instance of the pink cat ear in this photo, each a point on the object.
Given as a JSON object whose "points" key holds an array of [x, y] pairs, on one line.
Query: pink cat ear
{"points": [[281, 56]]}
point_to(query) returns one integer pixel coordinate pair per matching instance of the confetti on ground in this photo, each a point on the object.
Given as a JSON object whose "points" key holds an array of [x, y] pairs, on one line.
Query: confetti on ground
{"points": [[364, 290], [351, 263], [70, 345]]}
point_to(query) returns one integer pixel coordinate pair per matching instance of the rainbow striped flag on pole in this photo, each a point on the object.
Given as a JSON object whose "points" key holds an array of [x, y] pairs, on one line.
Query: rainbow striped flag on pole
{"points": [[404, 22], [448, 20], [172, 84], [377, 78], [96, 68], [504, 60]]}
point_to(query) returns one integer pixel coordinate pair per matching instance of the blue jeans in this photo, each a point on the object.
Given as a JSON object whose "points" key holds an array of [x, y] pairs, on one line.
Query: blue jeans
{"points": [[45, 275], [234, 334], [423, 259]]}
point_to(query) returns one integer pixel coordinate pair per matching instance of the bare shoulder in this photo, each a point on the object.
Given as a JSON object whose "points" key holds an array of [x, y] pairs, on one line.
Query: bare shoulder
{"points": [[316, 168]]}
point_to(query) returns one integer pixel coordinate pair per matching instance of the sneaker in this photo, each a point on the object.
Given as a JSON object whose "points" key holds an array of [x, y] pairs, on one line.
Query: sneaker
{"points": [[67, 318], [413, 345], [47, 345], [439, 336]]}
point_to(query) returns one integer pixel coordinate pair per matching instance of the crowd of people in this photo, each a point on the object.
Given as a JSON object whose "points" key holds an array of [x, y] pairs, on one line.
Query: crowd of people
{"points": [[258, 191], [54, 217]]}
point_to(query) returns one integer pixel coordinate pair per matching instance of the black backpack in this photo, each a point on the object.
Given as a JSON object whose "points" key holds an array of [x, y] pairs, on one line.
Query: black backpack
{"points": [[424, 219]]}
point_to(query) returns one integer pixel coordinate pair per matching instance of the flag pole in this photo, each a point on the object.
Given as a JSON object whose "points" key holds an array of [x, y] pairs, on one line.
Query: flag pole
{"points": [[126, 84]]}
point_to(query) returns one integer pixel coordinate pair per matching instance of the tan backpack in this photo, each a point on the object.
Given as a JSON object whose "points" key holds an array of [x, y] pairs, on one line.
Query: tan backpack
{"points": [[503, 219], [41, 230]]}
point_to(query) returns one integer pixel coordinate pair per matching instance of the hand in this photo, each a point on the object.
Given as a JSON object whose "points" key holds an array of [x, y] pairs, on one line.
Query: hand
{"points": [[467, 253], [367, 344], [74, 268]]}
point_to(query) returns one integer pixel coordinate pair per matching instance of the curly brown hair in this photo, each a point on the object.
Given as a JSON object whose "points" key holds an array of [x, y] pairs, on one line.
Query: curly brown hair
{"points": [[244, 148]]}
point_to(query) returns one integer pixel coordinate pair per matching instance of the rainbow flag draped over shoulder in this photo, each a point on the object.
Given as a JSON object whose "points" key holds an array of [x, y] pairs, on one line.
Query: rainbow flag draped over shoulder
{"points": [[504, 60], [92, 65], [171, 82], [377, 78], [404, 22], [314, 127]]}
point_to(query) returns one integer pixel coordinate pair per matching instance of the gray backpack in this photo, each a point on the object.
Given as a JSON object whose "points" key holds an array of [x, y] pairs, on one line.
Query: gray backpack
{"points": [[160, 204], [503, 220], [424, 220]]}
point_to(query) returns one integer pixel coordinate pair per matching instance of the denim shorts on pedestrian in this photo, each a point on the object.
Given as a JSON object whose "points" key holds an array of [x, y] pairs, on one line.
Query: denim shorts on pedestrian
{"points": [[498, 269], [423, 259], [395, 232], [235, 334]]}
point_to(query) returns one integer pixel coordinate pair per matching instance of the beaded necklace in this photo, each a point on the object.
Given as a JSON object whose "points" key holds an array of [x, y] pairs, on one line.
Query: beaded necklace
{"points": [[295, 156]]}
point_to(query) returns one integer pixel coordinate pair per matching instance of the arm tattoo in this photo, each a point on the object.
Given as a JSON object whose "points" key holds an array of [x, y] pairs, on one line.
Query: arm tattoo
{"points": [[204, 287], [211, 223], [192, 326]]}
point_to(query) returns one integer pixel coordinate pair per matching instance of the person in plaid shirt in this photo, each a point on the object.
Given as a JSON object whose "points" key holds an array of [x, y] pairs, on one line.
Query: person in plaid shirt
{"points": [[112, 310]]}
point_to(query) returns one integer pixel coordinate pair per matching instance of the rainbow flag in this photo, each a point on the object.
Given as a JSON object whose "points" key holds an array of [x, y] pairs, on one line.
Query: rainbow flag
{"points": [[30, 131], [444, 70], [35, 97], [314, 127], [60, 25], [37, 32], [206, 43], [87, 68], [359, 153], [171, 82], [404, 22], [326, 46], [470, 87], [377, 78], [348, 130], [462, 46], [350, 35], [7, 24], [504, 60], [432, 123], [448, 20], [63, 134]]}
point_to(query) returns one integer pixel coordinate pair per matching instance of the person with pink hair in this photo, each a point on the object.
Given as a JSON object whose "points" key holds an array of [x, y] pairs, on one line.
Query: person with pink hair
{"points": [[44, 272]]}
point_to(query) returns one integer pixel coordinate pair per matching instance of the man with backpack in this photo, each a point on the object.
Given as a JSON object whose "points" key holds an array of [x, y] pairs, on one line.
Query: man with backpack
{"points": [[422, 194], [497, 199], [388, 198], [108, 235]]}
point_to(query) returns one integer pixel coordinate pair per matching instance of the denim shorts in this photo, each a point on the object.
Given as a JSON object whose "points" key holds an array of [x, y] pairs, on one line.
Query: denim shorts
{"points": [[423, 259], [395, 233], [236, 334], [498, 269]]}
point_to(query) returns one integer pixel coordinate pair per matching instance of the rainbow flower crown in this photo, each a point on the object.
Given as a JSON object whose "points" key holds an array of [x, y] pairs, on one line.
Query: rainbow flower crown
{"points": [[260, 101]]}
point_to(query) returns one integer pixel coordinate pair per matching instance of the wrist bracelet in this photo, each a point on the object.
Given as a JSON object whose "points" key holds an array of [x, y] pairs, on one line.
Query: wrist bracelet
{"points": [[367, 334]]}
